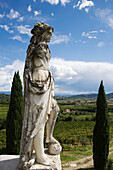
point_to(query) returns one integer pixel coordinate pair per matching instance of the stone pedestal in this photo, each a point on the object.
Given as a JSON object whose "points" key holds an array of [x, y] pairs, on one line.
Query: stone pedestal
{"points": [[10, 162], [55, 165]]}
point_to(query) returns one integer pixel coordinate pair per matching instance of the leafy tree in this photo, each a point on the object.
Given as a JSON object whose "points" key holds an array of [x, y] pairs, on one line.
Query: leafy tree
{"points": [[101, 132], [14, 117]]}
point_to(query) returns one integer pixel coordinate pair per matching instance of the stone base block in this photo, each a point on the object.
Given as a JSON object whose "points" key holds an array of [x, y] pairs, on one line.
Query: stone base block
{"points": [[55, 165], [10, 162]]}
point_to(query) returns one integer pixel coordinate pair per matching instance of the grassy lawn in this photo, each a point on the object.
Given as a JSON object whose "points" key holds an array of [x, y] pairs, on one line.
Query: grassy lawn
{"points": [[86, 169], [2, 138], [3, 110], [81, 152], [111, 156], [3, 113], [71, 134], [111, 144]]}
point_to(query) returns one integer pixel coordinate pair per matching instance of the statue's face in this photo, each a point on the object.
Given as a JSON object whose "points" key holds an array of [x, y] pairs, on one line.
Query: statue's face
{"points": [[47, 35]]}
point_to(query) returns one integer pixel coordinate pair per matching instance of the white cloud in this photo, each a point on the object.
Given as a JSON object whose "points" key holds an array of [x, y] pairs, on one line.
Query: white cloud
{"points": [[11, 31], [92, 34], [34, 0], [102, 31], [56, 2], [39, 18], [52, 14], [20, 19], [2, 15], [86, 3], [83, 42], [63, 2], [37, 12], [74, 6], [77, 41], [100, 44], [80, 41], [105, 15], [19, 38], [6, 28], [29, 8], [81, 76], [78, 4], [4, 5], [3, 58], [87, 10], [89, 35], [57, 39], [52, 2], [7, 73], [13, 14], [61, 71], [24, 29]]}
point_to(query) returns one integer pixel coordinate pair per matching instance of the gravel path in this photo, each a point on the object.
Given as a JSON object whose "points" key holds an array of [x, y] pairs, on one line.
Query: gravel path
{"points": [[82, 163]]}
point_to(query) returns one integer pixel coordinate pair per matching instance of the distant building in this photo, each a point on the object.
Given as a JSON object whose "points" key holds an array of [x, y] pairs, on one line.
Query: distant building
{"points": [[67, 110], [73, 111]]}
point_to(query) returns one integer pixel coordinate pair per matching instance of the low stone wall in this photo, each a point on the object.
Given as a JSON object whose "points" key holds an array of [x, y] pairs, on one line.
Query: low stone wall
{"points": [[9, 162]]}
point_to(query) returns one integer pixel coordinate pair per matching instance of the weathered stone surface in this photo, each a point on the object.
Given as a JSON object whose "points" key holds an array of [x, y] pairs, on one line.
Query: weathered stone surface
{"points": [[10, 162], [40, 107], [55, 164], [54, 149]]}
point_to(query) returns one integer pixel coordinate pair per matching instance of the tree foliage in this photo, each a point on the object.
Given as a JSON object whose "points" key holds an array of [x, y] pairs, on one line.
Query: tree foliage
{"points": [[14, 117], [101, 132]]}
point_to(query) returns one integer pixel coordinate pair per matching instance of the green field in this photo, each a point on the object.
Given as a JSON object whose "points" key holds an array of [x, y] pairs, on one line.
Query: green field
{"points": [[3, 110], [3, 113], [74, 129], [74, 132]]}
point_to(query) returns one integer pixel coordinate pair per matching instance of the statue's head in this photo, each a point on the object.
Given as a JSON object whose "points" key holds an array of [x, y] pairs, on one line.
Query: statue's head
{"points": [[43, 30]]}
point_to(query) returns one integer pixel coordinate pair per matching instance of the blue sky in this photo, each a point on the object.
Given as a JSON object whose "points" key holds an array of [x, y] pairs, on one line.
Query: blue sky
{"points": [[81, 46]]}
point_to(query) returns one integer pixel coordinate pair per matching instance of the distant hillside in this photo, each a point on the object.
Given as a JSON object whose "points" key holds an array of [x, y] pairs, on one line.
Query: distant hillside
{"points": [[90, 96], [83, 96], [4, 97], [5, 92], [110, 95]]}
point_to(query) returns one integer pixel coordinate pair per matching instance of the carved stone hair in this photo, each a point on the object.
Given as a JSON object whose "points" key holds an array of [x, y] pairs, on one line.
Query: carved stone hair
{"points": [[40, 28]]}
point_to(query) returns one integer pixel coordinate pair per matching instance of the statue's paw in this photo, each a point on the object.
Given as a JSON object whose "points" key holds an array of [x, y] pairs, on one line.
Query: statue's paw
{"points": [[54, 148]]}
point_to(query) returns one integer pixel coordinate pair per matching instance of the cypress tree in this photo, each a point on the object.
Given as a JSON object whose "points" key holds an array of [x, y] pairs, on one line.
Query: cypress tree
{"points": [[101, 132], [14, 117]]}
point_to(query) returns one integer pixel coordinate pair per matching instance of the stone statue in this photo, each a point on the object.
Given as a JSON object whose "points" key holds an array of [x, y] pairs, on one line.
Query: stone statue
{"points": [[40, 108]]}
